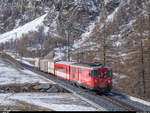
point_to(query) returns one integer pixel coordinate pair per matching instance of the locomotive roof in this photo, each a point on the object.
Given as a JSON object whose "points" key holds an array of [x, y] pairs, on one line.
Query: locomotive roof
{"points": [[87, 66], [83, 65]]}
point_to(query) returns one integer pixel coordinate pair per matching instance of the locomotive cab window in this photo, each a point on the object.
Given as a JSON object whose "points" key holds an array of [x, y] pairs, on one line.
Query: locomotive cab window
{"points": [[94, 74], [102, 75]]}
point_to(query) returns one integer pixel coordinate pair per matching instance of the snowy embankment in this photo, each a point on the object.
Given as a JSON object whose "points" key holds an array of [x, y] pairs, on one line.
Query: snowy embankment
{"points": [[10, 75], [133, 101], [56, 102], [25, 29], [53, 101], [23, 59]]}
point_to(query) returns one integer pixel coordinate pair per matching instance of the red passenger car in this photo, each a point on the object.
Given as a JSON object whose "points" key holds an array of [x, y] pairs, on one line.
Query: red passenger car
{"points": [[97, 78]]}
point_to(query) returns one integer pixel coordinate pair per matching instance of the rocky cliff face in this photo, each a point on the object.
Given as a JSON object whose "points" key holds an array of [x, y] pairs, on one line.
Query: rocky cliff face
{"points": [[75, 15]]}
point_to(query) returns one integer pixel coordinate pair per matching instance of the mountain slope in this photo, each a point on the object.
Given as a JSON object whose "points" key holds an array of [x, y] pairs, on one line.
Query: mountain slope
{"points": [[121, 40], [16, 34]]}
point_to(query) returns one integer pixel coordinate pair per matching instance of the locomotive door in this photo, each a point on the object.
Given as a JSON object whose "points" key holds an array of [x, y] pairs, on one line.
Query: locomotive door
{"points": [[79, 75], [75, 74]]}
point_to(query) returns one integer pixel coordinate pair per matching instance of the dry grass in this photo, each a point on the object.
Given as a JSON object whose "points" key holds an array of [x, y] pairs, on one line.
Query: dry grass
{"points": [[23, 106], [11, 60]]}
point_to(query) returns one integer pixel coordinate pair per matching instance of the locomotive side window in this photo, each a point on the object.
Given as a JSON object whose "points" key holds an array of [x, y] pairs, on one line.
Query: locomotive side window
{"points": [[102, 75], [94, 74], [64, 69], [61, 69], [109, 73], [73, 75], [73, 70], [80, 71]]}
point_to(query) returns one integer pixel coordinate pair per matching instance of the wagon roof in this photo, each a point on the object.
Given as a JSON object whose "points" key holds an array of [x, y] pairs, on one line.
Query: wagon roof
{"points": [[65, 62]]}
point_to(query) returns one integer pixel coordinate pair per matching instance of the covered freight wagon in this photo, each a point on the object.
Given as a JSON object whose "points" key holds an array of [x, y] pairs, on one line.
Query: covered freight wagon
{"points": [[51, 67], [37, 61], [45, 65]]}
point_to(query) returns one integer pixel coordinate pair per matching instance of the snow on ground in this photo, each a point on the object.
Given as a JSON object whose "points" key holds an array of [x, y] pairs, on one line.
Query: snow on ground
{"points": [[4, 101], [118, 76], [139, 103], [85, 36], [9, 75], [111, 16], [23, 60], [107, 1], [138, 100], [17, 33], [121, 76], [59, 53], [56, 102]]}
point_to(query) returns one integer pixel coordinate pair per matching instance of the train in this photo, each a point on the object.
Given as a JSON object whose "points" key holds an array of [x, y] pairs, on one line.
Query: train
{"points": [[89, 76]]}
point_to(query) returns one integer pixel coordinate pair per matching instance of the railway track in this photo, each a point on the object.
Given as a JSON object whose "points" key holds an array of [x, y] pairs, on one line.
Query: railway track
{"points": [[115, 101], [104, 103], [121, 104]]}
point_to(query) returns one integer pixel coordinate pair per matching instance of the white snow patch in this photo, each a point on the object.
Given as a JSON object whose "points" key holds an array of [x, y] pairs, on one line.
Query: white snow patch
{"points": [[4, 101], [25, 62], [17, 23], [59, 53], [9, 75], [121, 76], [17, 33], [111, 16], [89, 30], [84, 36], [107, 1], [138, 100]]}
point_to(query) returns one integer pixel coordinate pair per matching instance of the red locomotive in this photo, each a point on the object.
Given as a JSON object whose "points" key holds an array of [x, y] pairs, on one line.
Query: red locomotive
{"points": [[97, 78]]}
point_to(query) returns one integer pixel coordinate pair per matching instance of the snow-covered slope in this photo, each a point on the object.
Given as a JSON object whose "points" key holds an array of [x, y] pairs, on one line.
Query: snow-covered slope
{"points": [[25, 29]]}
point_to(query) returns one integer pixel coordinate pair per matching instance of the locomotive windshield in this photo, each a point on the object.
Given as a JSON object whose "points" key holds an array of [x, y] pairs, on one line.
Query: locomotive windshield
{"points": [[102, 75], [94, 73]]}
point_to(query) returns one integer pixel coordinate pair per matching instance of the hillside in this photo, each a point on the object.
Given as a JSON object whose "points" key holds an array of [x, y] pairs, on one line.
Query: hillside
{"points": [[113, 32], [17, 33], [121, 40]]}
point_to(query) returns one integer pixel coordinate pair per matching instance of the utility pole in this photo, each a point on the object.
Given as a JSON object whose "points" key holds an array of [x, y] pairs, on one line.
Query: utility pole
{"points": [[68, 45], [104, 37], [17, 46]]}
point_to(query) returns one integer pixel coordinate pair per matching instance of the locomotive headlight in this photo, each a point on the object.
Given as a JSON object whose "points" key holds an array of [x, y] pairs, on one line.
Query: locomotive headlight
{"points": [[108, 81]]}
